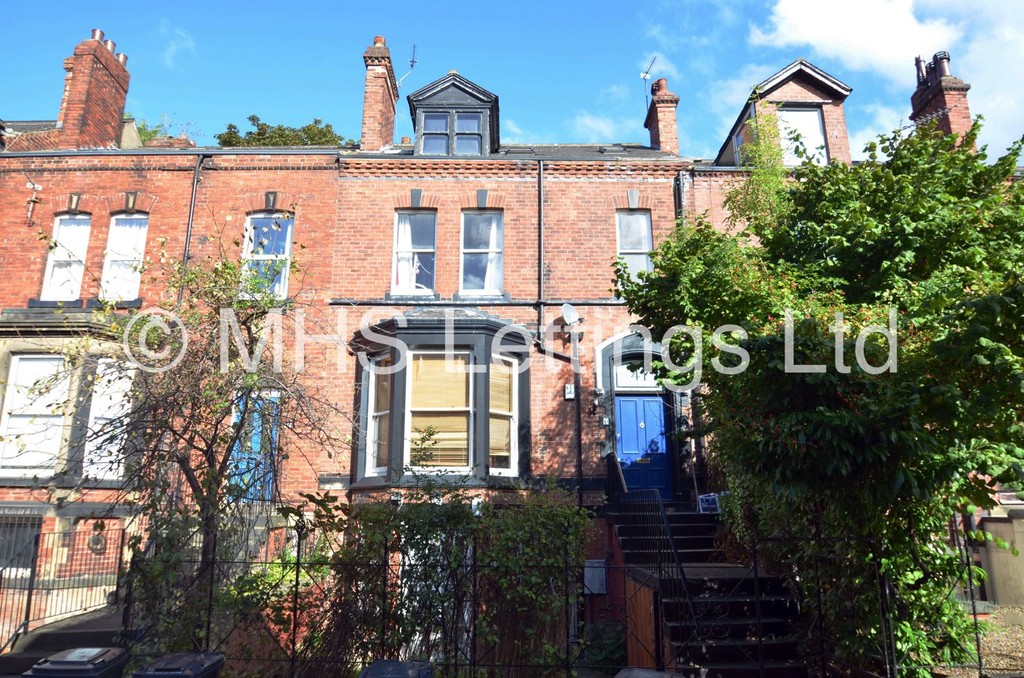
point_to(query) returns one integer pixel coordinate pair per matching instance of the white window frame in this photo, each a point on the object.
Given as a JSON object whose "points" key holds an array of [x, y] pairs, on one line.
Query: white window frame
{"points": [[373, 416], [633, 252], [41, 410], [251, 254], [817, 152], [513, 466], [60, 254], [399, 249], [111, 391], [492, 249], [469, 410], [113, 256]]}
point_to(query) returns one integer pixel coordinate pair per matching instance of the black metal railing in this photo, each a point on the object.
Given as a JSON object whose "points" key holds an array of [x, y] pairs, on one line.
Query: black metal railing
{"points": [[58, 575], [313, 615], [616, 478], [655, 559]]}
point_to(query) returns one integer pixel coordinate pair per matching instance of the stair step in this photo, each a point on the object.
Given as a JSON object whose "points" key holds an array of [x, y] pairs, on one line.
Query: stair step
{"points": [[780, 606], [771, 669], [740, 650], [717, 628]]}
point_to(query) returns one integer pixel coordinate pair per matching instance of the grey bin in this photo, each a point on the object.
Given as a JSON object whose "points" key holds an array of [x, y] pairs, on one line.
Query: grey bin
{"points": [[82, 662], [390, 668], [183, 665]]}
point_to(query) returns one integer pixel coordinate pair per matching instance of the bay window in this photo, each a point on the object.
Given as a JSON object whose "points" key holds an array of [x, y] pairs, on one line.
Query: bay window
{"points": [[503, 419], [110, 405], [440, 400], [32, 423], [378, 450], [446, 396]]}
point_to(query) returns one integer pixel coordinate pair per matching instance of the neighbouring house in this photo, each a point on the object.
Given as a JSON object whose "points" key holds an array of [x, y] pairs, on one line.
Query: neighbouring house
{"points": [[472, 255]]}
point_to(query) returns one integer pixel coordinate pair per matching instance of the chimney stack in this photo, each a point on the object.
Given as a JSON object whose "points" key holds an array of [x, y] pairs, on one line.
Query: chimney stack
{"points": [[661, 118], [95, 89], [379, 98], [940, 96]]}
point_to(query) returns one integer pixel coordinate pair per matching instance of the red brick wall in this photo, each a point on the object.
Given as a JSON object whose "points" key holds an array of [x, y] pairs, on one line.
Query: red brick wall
{"points": [[344, 230]]}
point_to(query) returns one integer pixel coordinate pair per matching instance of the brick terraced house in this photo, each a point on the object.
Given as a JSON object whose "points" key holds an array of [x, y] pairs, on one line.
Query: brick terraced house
{"points": [[452, 230]]}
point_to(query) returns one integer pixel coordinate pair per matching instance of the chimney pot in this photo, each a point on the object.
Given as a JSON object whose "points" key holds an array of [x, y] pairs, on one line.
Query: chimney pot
{"points": [[922, 74], [941, 97], [123, 58], [97, 34], [110, 45], [378, 41]]}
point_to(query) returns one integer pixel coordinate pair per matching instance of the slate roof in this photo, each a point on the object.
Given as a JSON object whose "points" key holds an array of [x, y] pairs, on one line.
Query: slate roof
{"points": [[22, 126], [624, 151]]}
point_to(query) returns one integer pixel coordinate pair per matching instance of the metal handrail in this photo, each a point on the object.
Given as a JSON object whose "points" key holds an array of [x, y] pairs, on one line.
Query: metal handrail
{"points": [[616, 477], [662, 538]]}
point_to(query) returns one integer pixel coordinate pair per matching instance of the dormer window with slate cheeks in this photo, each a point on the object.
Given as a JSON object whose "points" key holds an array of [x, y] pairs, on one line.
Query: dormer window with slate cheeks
{"points": [[454, 117]]}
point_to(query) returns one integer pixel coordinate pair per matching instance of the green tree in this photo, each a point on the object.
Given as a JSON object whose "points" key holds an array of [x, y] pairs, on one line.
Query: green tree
{"points": [[925, 235], [207, 411], [149, 132], [315, 133]]}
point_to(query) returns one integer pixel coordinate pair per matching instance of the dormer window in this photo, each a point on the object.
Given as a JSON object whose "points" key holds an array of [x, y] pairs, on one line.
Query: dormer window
{"points": [[454, 117]]}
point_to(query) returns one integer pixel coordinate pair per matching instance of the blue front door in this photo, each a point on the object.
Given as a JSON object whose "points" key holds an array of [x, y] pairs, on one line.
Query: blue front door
{"points": [[641, 443]]}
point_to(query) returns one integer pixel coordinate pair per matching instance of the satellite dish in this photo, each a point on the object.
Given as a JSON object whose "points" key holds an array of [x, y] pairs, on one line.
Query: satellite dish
{"points": [[569, 314]]}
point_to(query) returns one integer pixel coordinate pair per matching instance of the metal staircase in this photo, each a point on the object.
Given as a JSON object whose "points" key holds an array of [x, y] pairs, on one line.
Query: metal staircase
{"points": [[714, 618]]}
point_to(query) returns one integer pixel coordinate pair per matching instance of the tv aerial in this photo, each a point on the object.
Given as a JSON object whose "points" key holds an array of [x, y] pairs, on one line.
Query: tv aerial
{"points": [[412, 65], [645, 76]]}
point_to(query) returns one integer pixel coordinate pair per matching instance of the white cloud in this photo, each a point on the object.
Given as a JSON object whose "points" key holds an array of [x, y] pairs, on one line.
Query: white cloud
{"points": [[594, 128], [985, 39], [990, 61], [178, 41], [726, 98], [868, 35]]}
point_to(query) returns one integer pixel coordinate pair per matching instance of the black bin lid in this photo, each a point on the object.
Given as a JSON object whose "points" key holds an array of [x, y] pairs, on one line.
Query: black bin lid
{"points": [[80, 660], [182, 664]]}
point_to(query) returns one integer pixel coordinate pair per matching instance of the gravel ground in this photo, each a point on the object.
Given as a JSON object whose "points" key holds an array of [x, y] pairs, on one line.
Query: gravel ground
{"points": [[1002, 647]]}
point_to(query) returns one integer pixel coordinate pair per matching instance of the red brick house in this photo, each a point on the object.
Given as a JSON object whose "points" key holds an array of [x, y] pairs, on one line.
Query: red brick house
{"points": [[452, 229]]}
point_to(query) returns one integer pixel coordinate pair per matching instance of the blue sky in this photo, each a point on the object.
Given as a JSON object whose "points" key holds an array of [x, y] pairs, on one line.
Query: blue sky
{"points": [[564, 71]]}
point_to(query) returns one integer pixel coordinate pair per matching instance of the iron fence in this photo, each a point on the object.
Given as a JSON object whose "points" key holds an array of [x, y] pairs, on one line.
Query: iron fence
{"points": [[312, 615], [56, 575]]}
